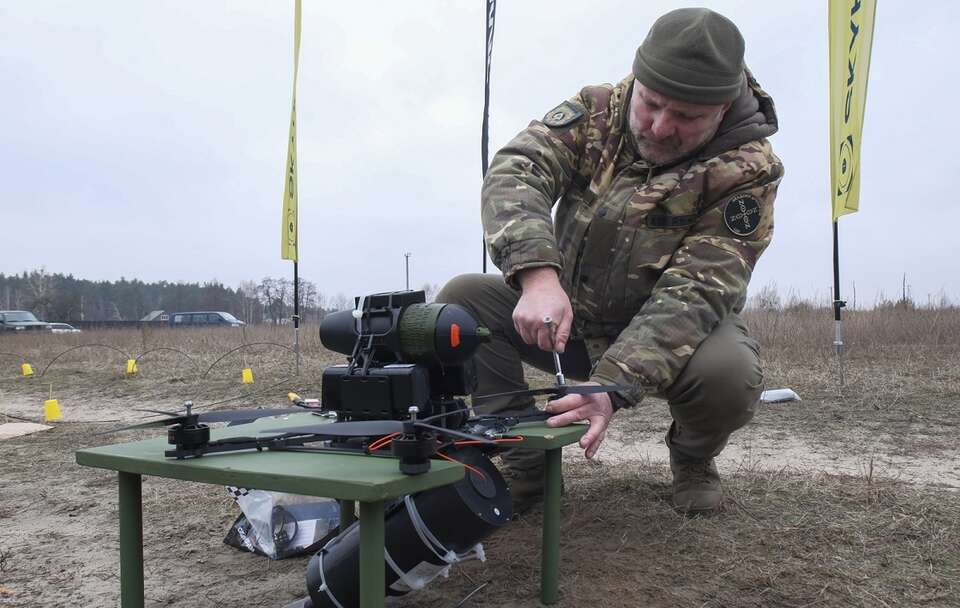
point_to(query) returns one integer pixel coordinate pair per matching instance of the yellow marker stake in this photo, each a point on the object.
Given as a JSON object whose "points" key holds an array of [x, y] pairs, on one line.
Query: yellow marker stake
{"points": [[247, 375], [51, 410], [131, 367], [27, 370]]}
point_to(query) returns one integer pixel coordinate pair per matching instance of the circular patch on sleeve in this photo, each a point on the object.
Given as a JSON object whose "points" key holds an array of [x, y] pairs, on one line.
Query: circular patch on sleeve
{"points": [[564, 114], [742, 214]]}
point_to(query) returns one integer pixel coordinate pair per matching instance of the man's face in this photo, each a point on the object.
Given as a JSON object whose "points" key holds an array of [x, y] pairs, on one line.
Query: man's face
{"points": [[665, 129]]}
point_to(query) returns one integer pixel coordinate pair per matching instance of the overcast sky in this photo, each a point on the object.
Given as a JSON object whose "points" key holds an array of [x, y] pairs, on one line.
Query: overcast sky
{"points": [[148, 139]]}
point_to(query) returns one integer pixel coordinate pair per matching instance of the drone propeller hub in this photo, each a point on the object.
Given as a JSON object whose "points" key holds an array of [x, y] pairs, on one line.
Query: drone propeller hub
{"points": [[188, 436]]}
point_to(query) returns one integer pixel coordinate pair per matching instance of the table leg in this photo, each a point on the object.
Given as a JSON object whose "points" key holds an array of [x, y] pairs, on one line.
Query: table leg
{"points": [[372, 569], [131, 541], [347, 515], [550, 550]]}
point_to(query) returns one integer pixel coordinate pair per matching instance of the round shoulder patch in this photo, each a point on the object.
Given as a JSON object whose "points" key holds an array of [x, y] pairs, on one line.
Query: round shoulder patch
{"points": [[564, 114], [742, 214]]}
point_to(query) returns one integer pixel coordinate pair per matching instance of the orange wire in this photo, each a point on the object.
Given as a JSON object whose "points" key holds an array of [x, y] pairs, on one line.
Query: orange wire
{"points": [[373, 444], [382, 442], [465, 465]]}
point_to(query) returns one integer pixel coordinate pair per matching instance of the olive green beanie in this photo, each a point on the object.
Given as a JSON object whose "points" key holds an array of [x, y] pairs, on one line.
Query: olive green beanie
{"points": [[694, 55]]}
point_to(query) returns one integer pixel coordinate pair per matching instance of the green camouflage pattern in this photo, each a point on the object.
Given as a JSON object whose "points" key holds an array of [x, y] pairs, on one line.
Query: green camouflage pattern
{"points": [[643, 251]]}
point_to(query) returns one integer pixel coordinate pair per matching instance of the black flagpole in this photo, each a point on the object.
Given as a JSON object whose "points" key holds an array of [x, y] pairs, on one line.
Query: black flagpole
{"points": [[296, 315], [489, 20], [838, 304]]}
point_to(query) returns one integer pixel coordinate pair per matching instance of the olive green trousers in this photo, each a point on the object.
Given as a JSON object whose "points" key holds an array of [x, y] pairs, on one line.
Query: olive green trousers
{"points": [[715, 394]]}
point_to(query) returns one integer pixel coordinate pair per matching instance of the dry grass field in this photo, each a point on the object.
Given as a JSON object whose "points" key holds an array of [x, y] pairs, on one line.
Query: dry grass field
{"points": [[850, 497]]}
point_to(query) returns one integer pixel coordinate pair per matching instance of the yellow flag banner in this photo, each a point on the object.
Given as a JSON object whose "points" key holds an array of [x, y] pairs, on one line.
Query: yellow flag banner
{"points": [[851, 38], [289, 230]]}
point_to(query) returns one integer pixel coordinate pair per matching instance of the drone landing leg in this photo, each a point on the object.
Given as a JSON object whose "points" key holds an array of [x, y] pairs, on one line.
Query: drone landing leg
{"points": [[131, 540], [372, 573]]}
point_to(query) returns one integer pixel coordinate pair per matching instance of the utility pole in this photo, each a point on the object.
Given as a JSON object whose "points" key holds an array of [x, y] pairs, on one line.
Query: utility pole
{"points": [[407, 260]]}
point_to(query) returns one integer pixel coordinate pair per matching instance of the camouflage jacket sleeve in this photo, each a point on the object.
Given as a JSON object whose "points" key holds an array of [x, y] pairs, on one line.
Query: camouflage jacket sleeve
{"points": [[522, 184], [705, 280]]}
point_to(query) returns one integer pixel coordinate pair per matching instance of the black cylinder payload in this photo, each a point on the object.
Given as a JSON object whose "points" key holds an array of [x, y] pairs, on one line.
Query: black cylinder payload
{"points": [[405, 329], [423, 534]]}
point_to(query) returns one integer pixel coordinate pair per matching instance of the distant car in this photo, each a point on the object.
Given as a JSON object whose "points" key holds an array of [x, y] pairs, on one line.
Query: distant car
{"points": [[63, 328], [20, 320], [204, 318]]}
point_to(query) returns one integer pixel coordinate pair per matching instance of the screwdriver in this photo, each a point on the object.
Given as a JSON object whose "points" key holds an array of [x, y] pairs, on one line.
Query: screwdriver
{"points": [[548, 321]]}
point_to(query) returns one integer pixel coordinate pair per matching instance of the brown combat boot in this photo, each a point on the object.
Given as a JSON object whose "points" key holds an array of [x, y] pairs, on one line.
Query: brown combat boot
{"points": [[696, 486]]}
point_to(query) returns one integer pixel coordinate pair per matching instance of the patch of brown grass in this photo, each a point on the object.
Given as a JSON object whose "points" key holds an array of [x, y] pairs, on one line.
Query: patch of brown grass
{"points": [[783, 540], [173, 364], [898, 379]]}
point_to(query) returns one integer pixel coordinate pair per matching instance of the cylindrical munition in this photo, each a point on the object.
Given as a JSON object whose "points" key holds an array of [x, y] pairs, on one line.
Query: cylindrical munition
{"points": [[423, 535]]}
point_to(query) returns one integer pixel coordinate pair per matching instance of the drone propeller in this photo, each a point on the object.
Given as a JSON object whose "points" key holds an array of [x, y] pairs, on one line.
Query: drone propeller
{"points": [[452, 433], [557, 391], [164, 412], [371, 428], [360, 428], [220, 416]]}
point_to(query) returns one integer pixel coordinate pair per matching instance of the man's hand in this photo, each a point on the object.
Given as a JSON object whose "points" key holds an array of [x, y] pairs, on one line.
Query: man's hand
{"points": [[596, 408], [543, 297]]}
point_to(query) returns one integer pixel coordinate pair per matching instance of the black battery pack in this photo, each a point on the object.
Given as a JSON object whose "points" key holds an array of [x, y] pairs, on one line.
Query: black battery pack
{"points": [[383, 393]]}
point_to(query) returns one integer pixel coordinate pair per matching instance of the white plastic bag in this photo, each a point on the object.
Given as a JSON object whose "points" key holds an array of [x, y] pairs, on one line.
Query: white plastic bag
{"points": [[279, 525]]}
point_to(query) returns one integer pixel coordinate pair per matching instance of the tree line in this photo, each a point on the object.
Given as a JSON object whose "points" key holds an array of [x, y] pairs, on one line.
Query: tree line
{"points": [[59, 297]]}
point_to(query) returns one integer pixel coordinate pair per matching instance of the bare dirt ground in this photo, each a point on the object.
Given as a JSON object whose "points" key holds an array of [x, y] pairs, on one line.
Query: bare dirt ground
{"points": [[850, 497]]}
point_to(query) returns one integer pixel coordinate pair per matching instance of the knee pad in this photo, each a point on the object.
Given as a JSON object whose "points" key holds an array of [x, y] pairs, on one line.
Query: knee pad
{"points": [[459, 290]]}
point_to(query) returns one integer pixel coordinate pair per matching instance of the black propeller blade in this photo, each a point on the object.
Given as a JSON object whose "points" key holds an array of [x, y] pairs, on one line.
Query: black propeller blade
{"points": [[358, 428], [453, 433], [558, 391], [143, 409], [370, 428], [145, 425], [220, 416], [235, 415]]}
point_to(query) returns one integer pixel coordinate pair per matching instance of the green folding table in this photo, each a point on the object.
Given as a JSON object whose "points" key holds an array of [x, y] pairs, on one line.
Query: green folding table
{"points": [[371, 481]]}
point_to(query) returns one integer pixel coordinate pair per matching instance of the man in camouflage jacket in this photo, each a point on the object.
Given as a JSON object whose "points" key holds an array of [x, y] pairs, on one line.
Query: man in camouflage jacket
{"points": [[664, 186]]}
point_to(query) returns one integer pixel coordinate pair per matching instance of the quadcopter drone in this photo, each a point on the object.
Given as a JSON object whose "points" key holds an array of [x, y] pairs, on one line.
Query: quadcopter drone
{"points": [[409, 365], [399, 395]]}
